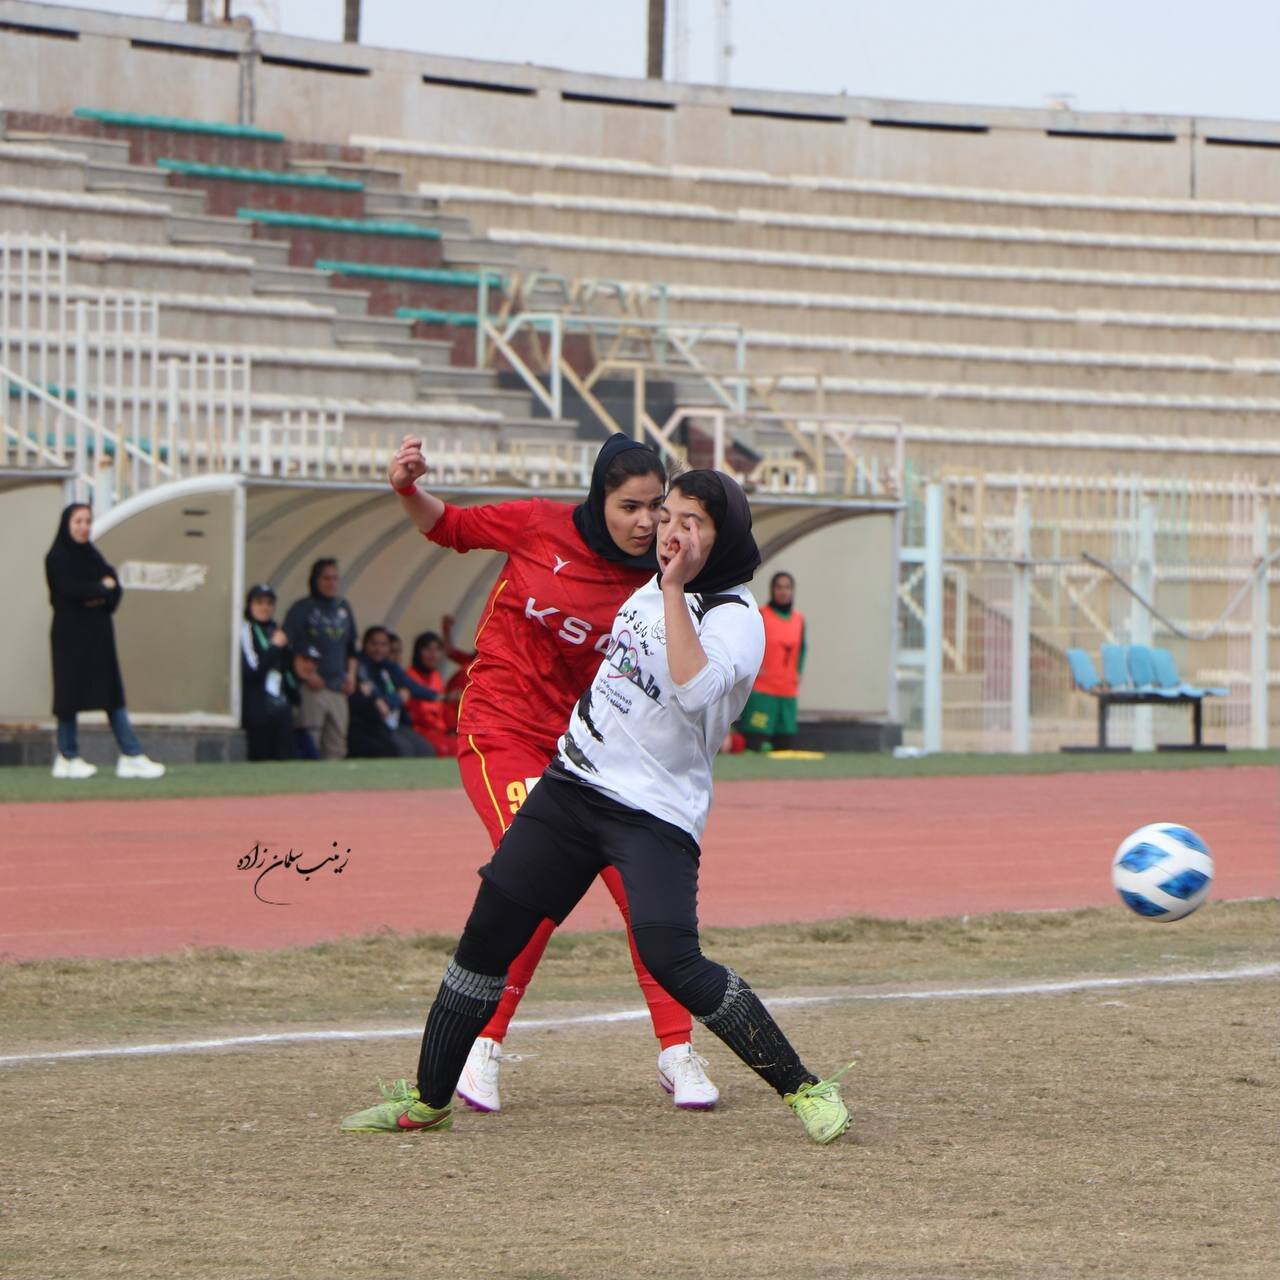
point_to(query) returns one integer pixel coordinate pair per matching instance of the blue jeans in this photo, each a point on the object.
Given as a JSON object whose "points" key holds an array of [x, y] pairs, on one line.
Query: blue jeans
{"points": [[126, 739]]}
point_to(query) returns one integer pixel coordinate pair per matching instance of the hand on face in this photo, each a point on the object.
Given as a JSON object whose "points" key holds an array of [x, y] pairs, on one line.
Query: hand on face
{"points": [[408, 463], [684, 547]]}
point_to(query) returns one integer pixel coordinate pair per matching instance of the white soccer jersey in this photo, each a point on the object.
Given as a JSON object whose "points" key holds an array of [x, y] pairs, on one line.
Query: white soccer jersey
{"points": [[646, 741]]}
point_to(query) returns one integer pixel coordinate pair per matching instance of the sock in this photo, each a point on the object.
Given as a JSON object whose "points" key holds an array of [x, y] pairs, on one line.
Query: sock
{"points": [[745, 1025], [464, 1003]]}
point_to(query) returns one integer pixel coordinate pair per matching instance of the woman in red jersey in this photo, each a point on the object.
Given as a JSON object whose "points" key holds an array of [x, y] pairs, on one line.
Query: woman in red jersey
{"points": [[542, 631]]}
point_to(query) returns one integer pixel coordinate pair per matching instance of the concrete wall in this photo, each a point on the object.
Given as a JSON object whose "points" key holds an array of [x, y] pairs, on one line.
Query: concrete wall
{"points": [[174, 642], [30, 512], [54, 59], [844, 590]]}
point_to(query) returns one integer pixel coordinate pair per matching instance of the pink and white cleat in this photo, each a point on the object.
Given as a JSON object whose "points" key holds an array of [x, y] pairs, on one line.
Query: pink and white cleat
{"points": [[683, 1074], [478, 1087]]}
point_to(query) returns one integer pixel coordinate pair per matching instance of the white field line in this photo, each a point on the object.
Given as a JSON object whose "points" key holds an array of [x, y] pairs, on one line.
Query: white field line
{"points": [[631, 1015]]}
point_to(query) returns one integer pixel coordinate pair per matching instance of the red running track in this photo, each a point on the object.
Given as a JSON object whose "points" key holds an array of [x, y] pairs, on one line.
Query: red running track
{"points": [[136, 877]]}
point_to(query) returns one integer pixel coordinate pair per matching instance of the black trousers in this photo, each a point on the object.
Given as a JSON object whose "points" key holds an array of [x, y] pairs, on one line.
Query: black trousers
{"points": [[270, 735], [558, 843]]}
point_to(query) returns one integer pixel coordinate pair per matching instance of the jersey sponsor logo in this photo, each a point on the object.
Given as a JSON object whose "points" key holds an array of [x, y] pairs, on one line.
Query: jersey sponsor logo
{"points": [[560, 564], [624, 660], [569, 629]]}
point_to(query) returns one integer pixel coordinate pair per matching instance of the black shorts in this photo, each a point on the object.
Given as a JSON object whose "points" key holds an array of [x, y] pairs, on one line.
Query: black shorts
{"points": [[564, 835]]}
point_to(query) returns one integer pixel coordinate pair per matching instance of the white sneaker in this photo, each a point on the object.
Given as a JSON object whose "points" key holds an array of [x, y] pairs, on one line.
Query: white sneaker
{"points": [[683, 1074], [72, 767], [138, 767], [478, 1087]]}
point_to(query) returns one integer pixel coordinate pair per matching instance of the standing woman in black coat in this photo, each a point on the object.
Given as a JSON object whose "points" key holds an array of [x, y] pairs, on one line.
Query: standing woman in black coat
{"points": [[84, 591]]}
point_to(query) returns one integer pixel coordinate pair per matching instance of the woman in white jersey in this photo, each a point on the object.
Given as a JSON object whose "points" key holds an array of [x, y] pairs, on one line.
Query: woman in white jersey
{"points": [[630, 788]]}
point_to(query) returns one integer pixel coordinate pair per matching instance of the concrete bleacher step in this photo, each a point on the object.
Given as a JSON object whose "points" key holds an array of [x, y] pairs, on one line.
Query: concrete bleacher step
{"points": [[463, 380], [468, 252], [755, 229], [166, 268], [448, 418], [345, 302], [96, 150], [33, 165], [932, 320], [215, 228], [328, 370], [265, 253], [376, 178], [408, 207], [287, 277], [86, 215], [510, 404], [719, 265], [1157, 372], [527, 171], [143, 181]]}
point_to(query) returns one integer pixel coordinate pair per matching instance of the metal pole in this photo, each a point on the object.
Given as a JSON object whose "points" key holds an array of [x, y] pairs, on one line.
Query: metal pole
{"points": [[1259, 648], [82, 404], [482, 317], [1140, 618], [557, 375], [237, 589], [1020, 607], [933, 621], [892, 709]]}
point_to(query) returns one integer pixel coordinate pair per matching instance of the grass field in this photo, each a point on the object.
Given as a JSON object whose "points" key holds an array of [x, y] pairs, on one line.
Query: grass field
{"points": [[1126, 1131], [299, 777]]}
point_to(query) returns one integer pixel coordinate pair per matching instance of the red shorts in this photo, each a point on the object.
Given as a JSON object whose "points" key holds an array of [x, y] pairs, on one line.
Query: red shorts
{"points": [[497, 774]]}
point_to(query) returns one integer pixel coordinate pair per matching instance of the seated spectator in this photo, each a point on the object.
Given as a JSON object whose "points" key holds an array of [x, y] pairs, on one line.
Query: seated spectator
{"points": [[428, 718], [378, 727], [395, 649], [265, 713], [326, 622], [458, 681]]}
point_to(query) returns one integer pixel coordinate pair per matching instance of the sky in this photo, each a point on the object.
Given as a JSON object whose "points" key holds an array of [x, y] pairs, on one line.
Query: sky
{"points": [[1177, 57]]}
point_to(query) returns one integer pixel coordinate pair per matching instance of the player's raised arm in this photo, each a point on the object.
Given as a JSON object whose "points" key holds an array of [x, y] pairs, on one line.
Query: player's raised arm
{"points": [[408, 464]]}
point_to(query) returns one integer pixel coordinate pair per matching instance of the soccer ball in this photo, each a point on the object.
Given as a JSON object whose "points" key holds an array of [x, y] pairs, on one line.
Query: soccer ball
{"points": [[1162, 871]]}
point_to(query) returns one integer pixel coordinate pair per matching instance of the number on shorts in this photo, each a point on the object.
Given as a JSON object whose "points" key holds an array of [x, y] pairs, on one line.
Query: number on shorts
{"points": [[517, 794]]}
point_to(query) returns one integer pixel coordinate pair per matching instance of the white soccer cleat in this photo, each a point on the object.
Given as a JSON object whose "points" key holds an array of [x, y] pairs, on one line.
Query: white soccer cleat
{"points": [[478, 1087], [683, 1074], [72, 767], [138, 767]]}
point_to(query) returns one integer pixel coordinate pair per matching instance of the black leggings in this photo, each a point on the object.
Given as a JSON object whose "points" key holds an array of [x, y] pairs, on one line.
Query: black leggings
{"points": [[499, 928]]}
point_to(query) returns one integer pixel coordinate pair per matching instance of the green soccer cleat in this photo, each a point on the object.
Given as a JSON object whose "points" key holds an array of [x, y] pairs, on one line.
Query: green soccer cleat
{"points": [[821, 1109], [401, 1113]]}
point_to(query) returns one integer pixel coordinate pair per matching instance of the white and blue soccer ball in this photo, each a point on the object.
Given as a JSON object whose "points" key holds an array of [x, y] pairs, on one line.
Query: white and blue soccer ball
{"points": [[1163, 871]]}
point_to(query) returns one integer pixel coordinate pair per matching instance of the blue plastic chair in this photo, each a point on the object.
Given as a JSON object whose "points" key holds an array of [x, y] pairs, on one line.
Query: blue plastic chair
{"points": [[1165, 671], [1115, 668], [1143, 670], [1082, 670]]}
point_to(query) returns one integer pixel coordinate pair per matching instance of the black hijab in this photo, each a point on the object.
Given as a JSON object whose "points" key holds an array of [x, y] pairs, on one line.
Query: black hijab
{"points": [[588, 516], [260, 591], [734, 556], [68, 558]]}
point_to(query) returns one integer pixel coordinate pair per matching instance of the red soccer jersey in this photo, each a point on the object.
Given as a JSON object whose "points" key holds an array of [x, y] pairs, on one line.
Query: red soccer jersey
{"points": [[546, 623]]}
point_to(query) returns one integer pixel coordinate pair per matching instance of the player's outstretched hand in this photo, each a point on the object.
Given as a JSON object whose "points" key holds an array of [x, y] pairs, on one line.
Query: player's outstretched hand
{"points": [[408, 464]]}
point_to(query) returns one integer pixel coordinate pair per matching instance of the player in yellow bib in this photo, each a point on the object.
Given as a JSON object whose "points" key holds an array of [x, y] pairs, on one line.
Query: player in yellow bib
{"points": [[769, 718]]}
